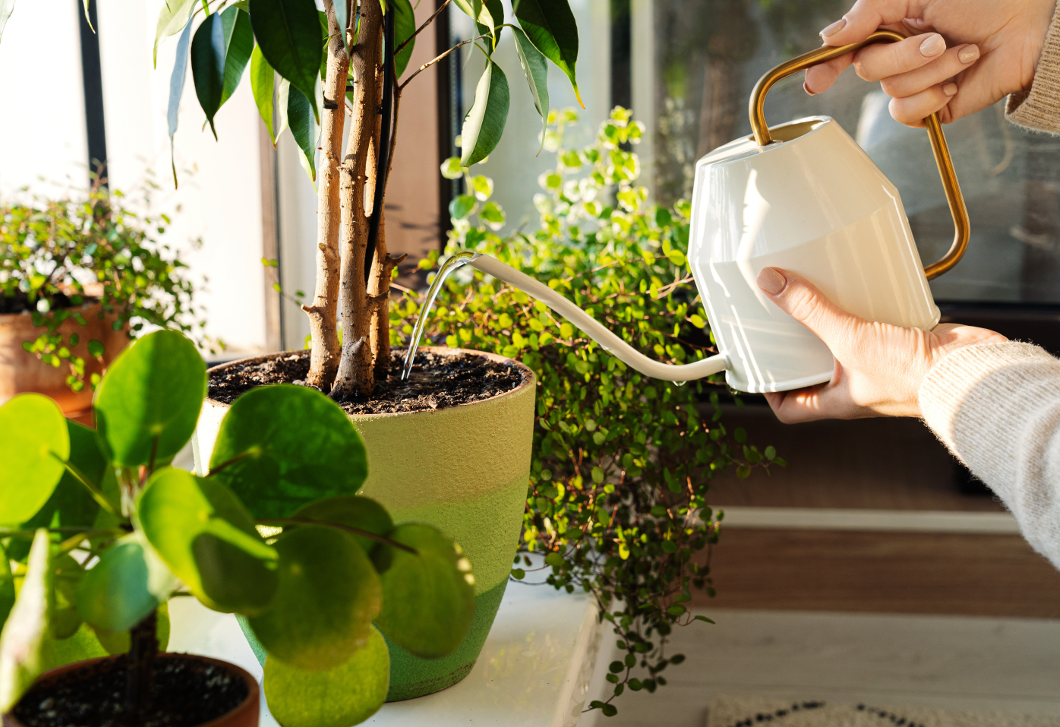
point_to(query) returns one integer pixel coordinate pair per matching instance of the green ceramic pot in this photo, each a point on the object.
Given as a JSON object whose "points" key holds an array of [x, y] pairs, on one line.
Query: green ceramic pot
{"points": [[465, 470]]}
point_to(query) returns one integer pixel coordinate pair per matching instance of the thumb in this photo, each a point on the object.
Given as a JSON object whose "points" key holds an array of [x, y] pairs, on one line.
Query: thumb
{"points": [[801, 300], [864, 19]]}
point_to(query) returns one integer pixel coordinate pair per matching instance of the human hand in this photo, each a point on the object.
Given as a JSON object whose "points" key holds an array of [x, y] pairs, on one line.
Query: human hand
{"points": [[994, 46], [878, 367]]}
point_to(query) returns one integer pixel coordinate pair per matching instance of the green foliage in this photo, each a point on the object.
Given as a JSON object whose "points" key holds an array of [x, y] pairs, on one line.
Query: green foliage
{"points": [[57, 255], [305, 576], [485, 122], [622, 464]]}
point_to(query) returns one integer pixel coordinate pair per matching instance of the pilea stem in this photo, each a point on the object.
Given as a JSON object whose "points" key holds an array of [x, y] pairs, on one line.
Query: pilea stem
{"points": [[140, 669]]}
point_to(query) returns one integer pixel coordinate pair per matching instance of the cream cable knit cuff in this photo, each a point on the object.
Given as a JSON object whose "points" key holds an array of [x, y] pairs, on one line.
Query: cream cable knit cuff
{"points": [[997, 407], [1038, 107]]}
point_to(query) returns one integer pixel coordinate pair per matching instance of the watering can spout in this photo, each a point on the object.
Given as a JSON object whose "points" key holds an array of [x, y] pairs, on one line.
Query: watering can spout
{"points": [[608, 340]]}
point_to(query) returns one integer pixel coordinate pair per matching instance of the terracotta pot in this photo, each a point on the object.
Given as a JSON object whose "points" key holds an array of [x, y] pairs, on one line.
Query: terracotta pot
{"points": [[22, 372], [463, 469], [245, 715]]}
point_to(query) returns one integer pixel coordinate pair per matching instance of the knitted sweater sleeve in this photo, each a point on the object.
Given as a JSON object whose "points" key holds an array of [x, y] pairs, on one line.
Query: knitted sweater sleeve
{"points": [[1038, 107], [997, 408]]}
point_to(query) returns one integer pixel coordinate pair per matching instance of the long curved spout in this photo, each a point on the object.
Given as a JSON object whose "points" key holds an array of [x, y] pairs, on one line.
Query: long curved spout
{"points": [[608, 340]]}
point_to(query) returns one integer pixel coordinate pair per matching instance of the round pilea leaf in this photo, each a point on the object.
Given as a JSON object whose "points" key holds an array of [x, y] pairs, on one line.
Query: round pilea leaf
{"points": [[328, 596], [64, 619], [34, 443], [429, 597], [205, 535], [347, 694], [148, 404], [127, 583], [353, 511], [282, 447]]}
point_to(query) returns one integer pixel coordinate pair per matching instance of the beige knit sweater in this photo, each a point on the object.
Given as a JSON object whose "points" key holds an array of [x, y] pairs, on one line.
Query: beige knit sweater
{"points": [[997, 406]]}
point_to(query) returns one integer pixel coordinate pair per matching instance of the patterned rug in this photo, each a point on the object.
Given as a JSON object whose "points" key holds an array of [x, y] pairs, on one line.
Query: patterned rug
{"points": [[754, 712]]}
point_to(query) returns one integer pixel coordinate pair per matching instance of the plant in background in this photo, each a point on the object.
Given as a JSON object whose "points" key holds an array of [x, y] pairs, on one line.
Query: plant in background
{"points": [[622, 464], [274, 533], [57, 255]]}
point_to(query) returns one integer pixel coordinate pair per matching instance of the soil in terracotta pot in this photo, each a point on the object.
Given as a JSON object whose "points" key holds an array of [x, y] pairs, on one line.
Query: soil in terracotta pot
{"points": [[185, 694], [436, 381], [20, 302]]}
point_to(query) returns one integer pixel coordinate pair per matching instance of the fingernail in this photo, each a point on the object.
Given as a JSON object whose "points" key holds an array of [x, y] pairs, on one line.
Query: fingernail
{"points": [[950, 89], [772, 280], [934, 45], [834, 28], [968, 54], [806, 88]]}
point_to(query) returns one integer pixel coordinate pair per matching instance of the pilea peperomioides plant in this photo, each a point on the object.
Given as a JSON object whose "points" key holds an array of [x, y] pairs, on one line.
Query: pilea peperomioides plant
{"points": [[350, 60], [274, 533]]}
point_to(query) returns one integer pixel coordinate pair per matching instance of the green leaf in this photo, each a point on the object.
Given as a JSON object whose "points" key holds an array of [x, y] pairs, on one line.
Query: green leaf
{"points": [[64, 620], [404, 28], [451, 168], [174, 17], [326, 601], [95, 348], [70, 505], [550, 26], [342, 17], [536, 70], [7, 587], [353, 511], [482, 13], [176, 91], [461, 206], [22, 638], [287, 446], [263, 85], [428, 598], [348, 694], [300, 115], [118, 642], [239, 44], [204, 534], [127, 583], [84, 644], [148, 404], [34, 443], [283, 95], [484, 123], [288, 33], [208, 65]]}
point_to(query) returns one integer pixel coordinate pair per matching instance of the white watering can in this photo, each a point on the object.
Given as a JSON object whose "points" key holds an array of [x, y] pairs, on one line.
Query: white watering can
{"points": [[802, 196]]}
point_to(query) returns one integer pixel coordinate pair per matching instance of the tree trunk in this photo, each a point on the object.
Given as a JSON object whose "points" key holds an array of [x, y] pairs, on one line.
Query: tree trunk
{"points": [[324, 358], [355, 367]]}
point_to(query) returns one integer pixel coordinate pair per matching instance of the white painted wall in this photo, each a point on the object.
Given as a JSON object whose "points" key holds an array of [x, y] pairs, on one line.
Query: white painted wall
{"points": [[42, 132]]}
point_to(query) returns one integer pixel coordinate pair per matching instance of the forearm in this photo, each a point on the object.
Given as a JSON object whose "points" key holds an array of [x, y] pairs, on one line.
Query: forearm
{"points": [[1038, 107], [997, 408]]}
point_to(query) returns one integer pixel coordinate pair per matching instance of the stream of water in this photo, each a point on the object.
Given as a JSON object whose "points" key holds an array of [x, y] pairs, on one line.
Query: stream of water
{"points": [[456, 261]]}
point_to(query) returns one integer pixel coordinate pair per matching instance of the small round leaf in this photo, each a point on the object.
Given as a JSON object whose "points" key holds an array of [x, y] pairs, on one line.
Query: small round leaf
{"points": [[148, 404], [283, 447], [125, 585], [204, 534], [34, 442], [428, 598], [352, 511], [348, 694], [328, 595]]}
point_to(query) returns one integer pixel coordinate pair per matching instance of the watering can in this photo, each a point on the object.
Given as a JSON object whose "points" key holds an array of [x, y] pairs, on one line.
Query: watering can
{"points": [[801, 196]]}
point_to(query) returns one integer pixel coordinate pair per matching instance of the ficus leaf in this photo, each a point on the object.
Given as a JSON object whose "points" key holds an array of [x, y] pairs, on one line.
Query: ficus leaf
{"points": [[327, 598], [484, 123], [550, 26], [536, 70], [23, 635], [404, 28], [208, 65], [263, 85], [127, 584], [343, 20], [348, 694], [283, 95], [174, 16], [208, 539], [239, 44], [148, 404], [302, 120], [34, 443], [176, 90], [288, 32], [429, 597], [88, 16], [282, 447]]}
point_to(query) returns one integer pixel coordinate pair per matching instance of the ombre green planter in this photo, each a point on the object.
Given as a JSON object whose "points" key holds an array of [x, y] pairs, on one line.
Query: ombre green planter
{"points": [[465, 470]]}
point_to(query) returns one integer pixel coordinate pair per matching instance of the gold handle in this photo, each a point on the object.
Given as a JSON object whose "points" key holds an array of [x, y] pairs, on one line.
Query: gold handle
{"points": [[961, 225]]}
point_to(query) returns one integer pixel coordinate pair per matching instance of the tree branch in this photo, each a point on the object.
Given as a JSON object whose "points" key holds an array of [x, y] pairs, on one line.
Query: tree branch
{"points": [[425, 24], [430, 63]]}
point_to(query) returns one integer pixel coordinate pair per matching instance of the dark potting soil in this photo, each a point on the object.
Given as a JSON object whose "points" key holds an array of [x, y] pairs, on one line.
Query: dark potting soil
{"points": [[185, 694], [19, 302], [436, 381]]}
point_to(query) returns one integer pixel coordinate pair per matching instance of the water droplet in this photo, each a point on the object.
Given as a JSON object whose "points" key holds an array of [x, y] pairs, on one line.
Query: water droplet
{"points": [[678, 383]]}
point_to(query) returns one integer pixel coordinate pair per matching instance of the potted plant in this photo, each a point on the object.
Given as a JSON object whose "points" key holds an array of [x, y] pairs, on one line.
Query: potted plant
{"points": [[79, 277], [451, 446], [277, 534], [622, 464]]}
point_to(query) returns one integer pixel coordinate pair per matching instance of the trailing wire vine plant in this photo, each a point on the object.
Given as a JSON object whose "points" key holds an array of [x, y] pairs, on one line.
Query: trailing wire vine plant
{"points": [[622, 464]]}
